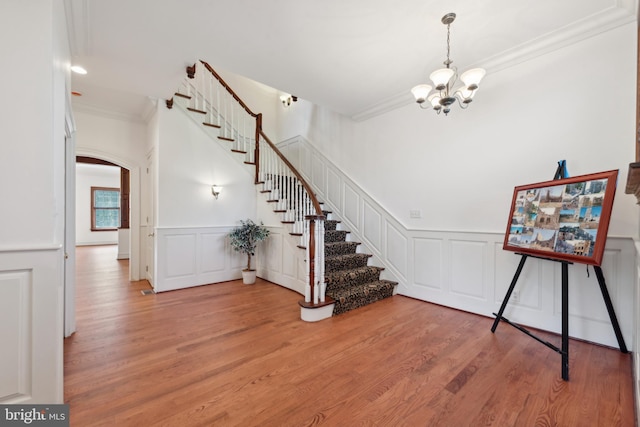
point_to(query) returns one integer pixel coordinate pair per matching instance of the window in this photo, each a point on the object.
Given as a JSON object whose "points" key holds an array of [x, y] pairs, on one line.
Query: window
{"points": [[105, 209]]}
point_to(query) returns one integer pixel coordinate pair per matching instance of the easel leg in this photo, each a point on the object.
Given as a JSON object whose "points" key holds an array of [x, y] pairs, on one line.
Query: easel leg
{"points": [[565, 321], [508, 295], [612, 313]]}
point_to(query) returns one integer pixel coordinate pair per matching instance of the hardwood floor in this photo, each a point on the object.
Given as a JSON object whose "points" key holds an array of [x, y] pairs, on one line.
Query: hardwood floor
{"points": [[238, 355]]}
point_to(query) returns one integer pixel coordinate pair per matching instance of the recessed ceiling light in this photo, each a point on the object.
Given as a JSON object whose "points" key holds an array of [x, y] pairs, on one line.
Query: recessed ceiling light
{"points": [[78, 69]]}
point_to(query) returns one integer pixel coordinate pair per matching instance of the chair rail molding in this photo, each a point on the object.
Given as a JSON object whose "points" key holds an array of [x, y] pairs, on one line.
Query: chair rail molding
{"points": [[469, 270]]}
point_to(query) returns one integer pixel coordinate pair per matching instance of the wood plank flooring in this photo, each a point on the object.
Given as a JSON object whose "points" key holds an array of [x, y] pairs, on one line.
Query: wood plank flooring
{"points": [[238, 355]]}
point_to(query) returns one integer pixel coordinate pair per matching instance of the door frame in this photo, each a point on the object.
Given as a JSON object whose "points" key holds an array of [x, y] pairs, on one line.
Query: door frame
{"points": [[134, 206]]}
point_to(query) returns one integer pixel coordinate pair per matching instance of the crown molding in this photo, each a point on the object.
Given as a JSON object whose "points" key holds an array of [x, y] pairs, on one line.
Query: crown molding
{"points": [[625, 12], [112, 114], [575, 32]]}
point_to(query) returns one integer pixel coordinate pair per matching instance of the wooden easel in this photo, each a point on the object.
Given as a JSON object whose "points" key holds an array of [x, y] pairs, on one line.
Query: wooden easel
{"points": [[561, 172]]}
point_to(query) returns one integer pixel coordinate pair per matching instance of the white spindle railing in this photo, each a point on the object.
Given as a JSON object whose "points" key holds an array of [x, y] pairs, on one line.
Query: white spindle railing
{"points": [[221, 108], [237, 125]]}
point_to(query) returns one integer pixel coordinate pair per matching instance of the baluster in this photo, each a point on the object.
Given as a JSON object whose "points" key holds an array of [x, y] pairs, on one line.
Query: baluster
{"points": [[218, 86], [196, 89], [188, 87], [244, 136], [210, 115]]}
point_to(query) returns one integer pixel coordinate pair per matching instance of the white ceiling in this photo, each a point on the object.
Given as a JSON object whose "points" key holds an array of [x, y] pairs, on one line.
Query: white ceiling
{"points": [[357, 57]]}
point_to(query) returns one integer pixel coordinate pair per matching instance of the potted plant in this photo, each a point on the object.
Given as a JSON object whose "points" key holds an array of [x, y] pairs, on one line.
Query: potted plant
{"points": [[244, 239]]}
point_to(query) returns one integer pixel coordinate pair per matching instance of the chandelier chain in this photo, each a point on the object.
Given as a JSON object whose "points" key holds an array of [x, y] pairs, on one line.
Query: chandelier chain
{"points": [[448, 45]]}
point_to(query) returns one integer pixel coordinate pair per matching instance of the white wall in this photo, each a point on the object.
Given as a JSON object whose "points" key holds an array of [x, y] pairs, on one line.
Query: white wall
{"points": [[189, 162], [191, 247], [87, 176], [33, 35], [460, 170]]}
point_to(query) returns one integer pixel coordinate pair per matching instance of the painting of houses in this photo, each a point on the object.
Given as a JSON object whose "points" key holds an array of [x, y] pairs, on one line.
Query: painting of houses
{"points": [[564, 219]]}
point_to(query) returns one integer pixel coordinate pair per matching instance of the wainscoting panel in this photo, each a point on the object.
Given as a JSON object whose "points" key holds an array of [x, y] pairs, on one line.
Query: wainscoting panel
{"points": [[193, 256], [289, 261], [181, 250], [428, 263], [31, 315], [273, 252], [396, 250], [16, 288], [211, 246], [468, 268], [351, 213], [372, 226], [528, 288], [333, 189], [290, 271], [318, 176], [470, 271]]}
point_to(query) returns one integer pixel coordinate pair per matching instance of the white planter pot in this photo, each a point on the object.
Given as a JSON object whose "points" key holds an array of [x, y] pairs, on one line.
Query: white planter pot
{"points": [[248, 277]]}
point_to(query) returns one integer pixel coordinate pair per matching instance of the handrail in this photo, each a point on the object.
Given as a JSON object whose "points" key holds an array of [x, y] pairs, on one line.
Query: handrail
{"points": [[306, 186], [228, 88]]}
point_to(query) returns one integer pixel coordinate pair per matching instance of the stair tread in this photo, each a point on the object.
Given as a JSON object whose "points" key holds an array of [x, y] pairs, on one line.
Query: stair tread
{"points": [[354, 297], [344, 242], [367, 269], [369, 285], [195, 110], [355, 255], [340, 248]]}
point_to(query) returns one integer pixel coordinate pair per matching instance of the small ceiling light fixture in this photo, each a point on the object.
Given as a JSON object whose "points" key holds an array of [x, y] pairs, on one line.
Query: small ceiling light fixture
{"points": [[287, 99], [78, 69], [216, 190], [445, 78]]}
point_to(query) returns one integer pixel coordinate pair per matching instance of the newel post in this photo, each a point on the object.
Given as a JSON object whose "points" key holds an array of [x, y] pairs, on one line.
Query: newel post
{"points": [[311, 260], [315, 259]]}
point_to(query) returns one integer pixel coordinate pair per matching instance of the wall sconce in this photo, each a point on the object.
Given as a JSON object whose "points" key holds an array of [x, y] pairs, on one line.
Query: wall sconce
{"points": [[216, 190], [287, 100]]}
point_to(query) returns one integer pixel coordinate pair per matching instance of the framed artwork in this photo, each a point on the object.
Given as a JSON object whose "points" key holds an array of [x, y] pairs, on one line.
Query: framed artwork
{"points": [[564, 219]]}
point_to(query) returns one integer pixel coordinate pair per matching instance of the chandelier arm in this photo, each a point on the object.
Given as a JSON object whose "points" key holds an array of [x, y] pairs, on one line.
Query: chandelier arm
{"points": [[463, 105]]}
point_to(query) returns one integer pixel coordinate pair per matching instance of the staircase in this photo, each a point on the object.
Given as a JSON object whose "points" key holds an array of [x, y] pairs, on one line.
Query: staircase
{"points": [[330, 258], [351, 282]]}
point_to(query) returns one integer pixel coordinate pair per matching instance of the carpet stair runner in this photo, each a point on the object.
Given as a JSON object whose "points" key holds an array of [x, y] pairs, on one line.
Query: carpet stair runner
{"points": [[351, 282]]}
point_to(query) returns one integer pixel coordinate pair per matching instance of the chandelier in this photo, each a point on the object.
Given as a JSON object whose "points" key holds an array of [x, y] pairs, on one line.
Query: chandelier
{"points": [[444, 81]]}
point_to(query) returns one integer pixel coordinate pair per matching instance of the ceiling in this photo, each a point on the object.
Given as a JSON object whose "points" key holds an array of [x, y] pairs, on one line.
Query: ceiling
{"points": [[356, 57]]}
